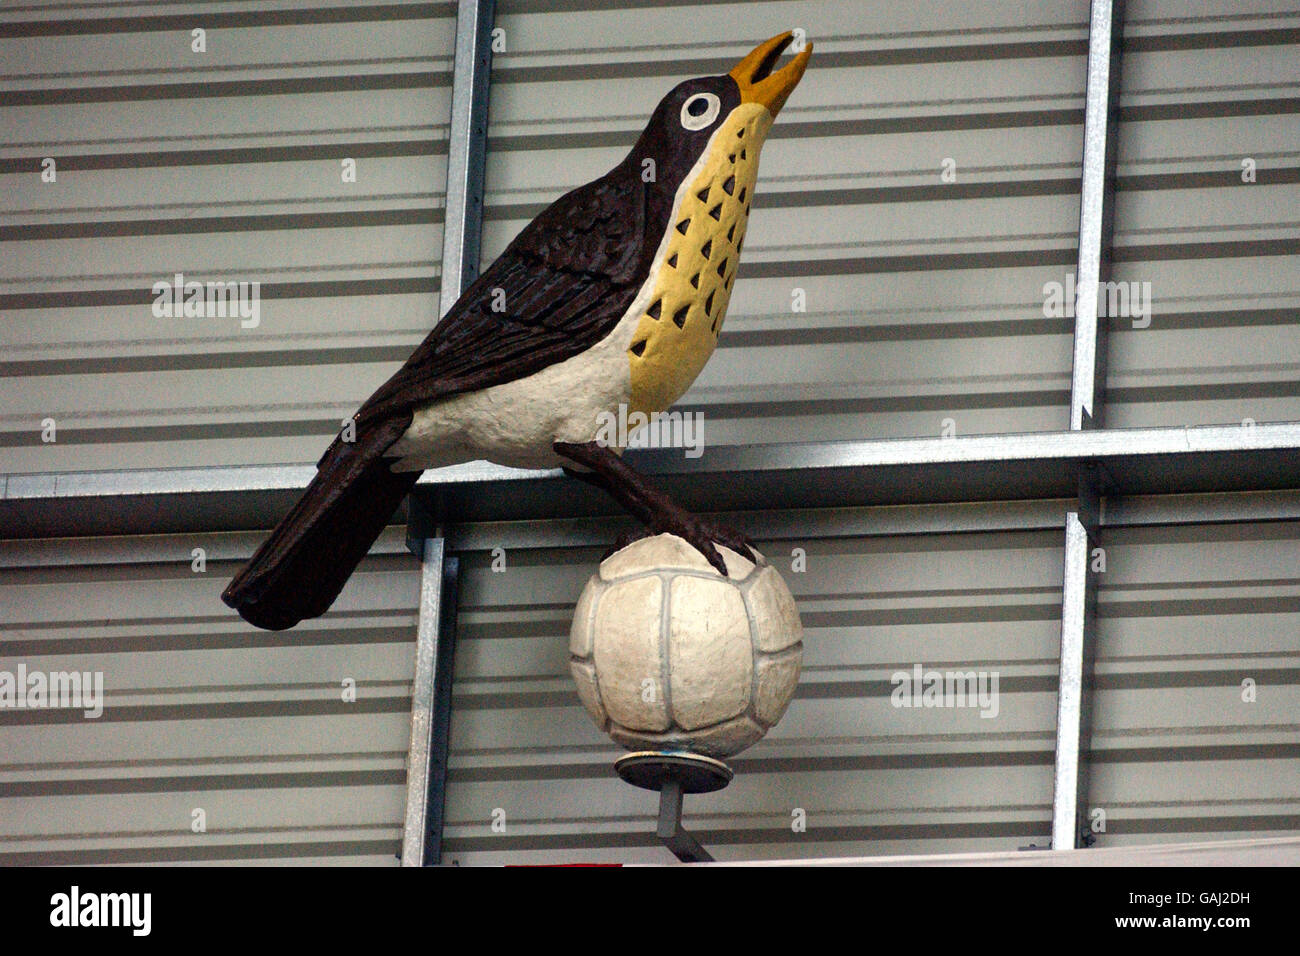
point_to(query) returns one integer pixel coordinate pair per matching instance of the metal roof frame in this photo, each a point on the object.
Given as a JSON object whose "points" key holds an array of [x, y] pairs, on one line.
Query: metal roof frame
{"points": [[1174, 461]]}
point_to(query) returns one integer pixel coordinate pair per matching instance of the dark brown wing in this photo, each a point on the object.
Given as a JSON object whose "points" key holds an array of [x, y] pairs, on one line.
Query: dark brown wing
{"points": [[559, 288], [563, 285]]}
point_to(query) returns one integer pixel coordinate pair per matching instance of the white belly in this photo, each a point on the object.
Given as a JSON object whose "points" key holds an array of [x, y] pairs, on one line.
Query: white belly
{"points": [[515, 423]]}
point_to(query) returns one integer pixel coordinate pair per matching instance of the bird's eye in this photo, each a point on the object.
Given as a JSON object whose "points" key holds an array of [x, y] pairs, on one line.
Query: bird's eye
{"points": [[700, 110]]}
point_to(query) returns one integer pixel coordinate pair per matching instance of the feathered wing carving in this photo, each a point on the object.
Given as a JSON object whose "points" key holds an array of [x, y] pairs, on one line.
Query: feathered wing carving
{"points": [[560, 287]]}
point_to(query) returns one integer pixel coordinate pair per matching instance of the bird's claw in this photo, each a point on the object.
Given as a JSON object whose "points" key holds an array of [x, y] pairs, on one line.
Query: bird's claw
{"points": [[699, 534], [703, 543], [703, 536]]}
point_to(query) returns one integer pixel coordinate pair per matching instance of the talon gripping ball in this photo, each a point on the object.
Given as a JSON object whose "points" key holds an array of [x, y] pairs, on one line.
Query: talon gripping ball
{"points": [[669, 655]]}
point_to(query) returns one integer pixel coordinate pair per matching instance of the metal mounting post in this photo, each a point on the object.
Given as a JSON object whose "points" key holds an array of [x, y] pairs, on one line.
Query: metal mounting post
{"points": [[674, 773], [684, 846]]}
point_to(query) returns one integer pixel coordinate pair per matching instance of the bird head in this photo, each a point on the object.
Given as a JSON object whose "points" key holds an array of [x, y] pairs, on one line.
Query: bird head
{"points": [[687, 119], [702, 146]]}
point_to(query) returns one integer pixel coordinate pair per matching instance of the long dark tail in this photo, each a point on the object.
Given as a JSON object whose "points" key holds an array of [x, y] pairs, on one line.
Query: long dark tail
{"points": [[301, 568]]}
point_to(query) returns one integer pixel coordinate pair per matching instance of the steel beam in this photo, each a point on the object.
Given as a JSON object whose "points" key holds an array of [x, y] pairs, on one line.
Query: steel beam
{"points": [[466, 149], [1156, 510], [436, 642], [1212, 460], [1096, 211], [1088, 384], [791, 525], [795, 525], [426, 765], [1075, 687], [414, 830], [786, 526]]}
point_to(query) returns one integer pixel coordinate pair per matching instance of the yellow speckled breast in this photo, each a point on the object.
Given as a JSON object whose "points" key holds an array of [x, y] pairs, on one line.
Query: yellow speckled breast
{"points": [[679, 329]]}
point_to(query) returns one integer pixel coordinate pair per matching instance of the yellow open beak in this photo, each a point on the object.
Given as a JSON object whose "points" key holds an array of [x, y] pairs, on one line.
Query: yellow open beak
{"points": [[757, 82]]}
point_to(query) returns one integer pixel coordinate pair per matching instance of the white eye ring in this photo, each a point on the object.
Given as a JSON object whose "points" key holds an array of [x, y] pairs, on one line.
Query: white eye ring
{"points": [[714, 105]]}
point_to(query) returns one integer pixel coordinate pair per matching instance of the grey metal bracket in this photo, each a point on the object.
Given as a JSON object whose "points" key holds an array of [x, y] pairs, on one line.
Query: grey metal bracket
{"points": [[683, 846], [424, 511], [674, 773]]}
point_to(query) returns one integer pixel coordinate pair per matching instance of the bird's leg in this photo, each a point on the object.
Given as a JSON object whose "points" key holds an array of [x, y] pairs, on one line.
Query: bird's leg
{"points": [[648, 505], [625, 537]]}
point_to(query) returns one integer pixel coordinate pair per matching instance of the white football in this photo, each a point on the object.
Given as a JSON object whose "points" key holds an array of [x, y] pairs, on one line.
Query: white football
{"points": [[670, 655]]}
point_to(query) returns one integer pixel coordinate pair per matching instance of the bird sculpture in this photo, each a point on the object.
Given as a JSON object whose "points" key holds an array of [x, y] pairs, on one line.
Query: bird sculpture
{"points": [[613, 296]]}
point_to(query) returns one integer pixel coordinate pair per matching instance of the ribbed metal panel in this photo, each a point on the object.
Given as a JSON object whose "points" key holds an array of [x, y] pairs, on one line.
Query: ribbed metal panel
{"points": [[202, 712], [1206, 86], [870, 777], [1186, 616], [222, 166], [924, 297]]}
